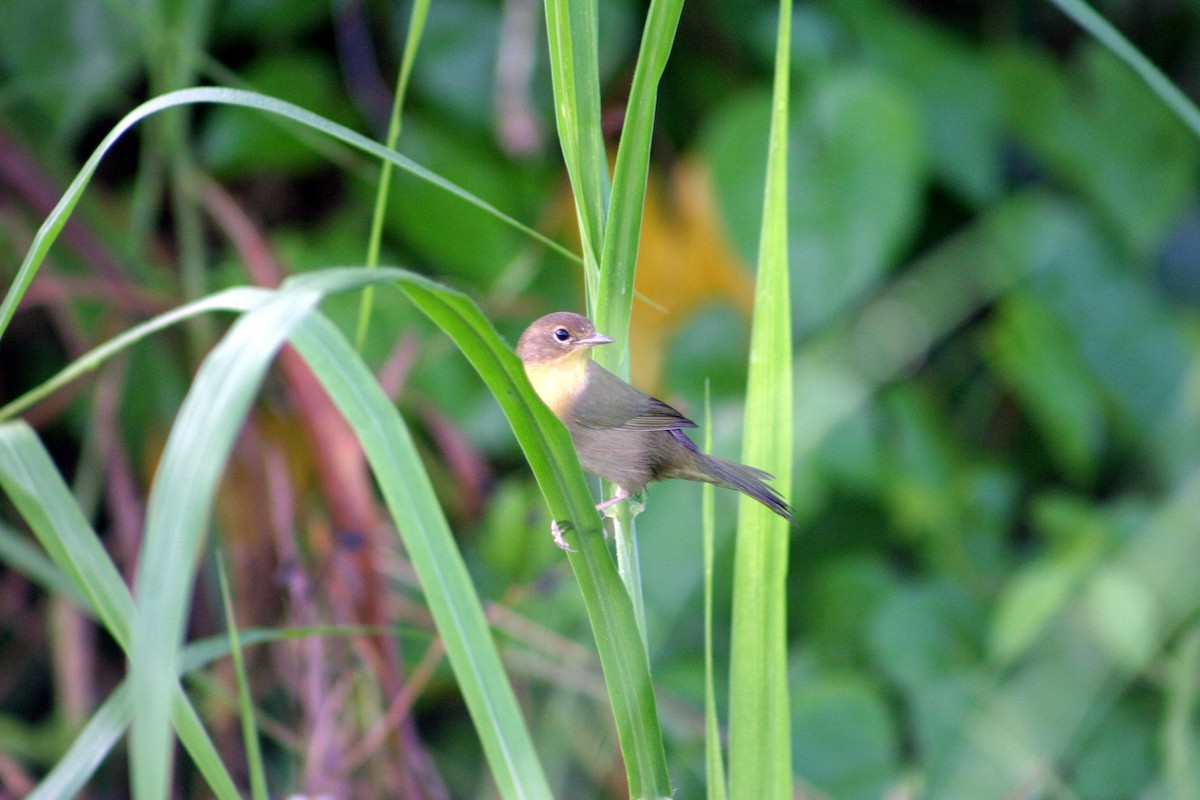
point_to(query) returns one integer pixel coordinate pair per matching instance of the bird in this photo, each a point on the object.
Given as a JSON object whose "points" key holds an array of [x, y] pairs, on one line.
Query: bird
{"points": [[621, 434]]}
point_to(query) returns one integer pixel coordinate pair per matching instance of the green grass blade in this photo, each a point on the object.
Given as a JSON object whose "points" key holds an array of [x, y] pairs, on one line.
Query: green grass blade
{"points": [[1087, 18], [612, 302], [111, 719], [236, 299], [200, 746], [22, 557], [181, 500], [254, 762], [547, 446], [57, 218], [88, 751], [543, 438], [759, 724], [714, 759], [37, 490], [614, 298], [41, 496], [447, 586], [572, 33], [177, 515], [412, 42]]}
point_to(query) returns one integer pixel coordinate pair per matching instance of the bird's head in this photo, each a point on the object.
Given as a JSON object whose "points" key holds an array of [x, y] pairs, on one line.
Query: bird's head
{"points": [[556, 337]]}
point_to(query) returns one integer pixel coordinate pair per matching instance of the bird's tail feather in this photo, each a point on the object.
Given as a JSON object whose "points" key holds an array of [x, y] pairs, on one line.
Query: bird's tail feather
{"points": [[747, 480]]}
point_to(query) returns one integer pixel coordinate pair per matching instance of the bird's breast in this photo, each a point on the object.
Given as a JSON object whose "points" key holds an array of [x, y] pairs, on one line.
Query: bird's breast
{"points": [[558, 383]]}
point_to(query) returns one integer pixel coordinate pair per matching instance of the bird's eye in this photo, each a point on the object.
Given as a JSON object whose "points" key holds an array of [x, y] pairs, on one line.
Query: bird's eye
{"points": [[562, 334]]}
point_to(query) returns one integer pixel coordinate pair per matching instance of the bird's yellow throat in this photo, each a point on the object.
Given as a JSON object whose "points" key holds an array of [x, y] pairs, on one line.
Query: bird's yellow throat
{"points": [[560, 381]]}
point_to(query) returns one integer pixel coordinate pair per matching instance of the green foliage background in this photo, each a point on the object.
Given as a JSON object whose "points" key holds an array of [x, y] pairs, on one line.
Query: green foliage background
{"points": [[994, 238]]}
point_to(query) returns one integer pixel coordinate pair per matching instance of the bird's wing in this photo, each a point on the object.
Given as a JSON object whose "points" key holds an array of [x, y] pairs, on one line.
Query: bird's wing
{"points": [[609, 402]]}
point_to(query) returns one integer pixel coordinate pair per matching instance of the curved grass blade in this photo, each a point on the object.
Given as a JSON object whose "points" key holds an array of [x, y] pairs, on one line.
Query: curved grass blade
{"points": [[241, 298], [22, 557], [50, 229], [760, 747], [177, 514], [448, 589], [180, 504], [34, 485]]}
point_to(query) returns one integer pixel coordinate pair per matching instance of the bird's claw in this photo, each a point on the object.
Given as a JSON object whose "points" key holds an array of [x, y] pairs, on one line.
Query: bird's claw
{"points": [[557, 533]]}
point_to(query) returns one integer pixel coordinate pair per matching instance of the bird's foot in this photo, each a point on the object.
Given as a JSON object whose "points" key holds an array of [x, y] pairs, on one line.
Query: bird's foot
{"points": [[557, 533], [637, 504], [622, 494]]}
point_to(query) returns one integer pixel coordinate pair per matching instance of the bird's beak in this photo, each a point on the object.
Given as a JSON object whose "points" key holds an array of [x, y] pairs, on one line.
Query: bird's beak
{"points": [[595, 339]]}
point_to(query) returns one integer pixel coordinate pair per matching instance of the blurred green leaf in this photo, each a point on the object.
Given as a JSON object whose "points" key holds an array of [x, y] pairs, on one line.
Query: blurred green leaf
{"points": [[1031, 598], [855, 176], [1123, 330], [456, 73], [1038, 359], [844, 596], [249, 19], [1099, 129], [68, 60], [1118, 760], [845, 741], [953, 87], [1122, 613], [925, 632]]}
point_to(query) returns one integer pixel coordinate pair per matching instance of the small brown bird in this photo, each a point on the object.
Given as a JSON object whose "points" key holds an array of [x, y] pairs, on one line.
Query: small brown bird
{"points": [[624, 436]]}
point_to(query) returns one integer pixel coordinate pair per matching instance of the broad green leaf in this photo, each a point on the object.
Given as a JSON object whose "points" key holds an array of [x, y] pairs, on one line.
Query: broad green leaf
{"points": [[1120, 758], [58, 217], [457, 70], [1030, 600], [924, 633], [1122, 614]]}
